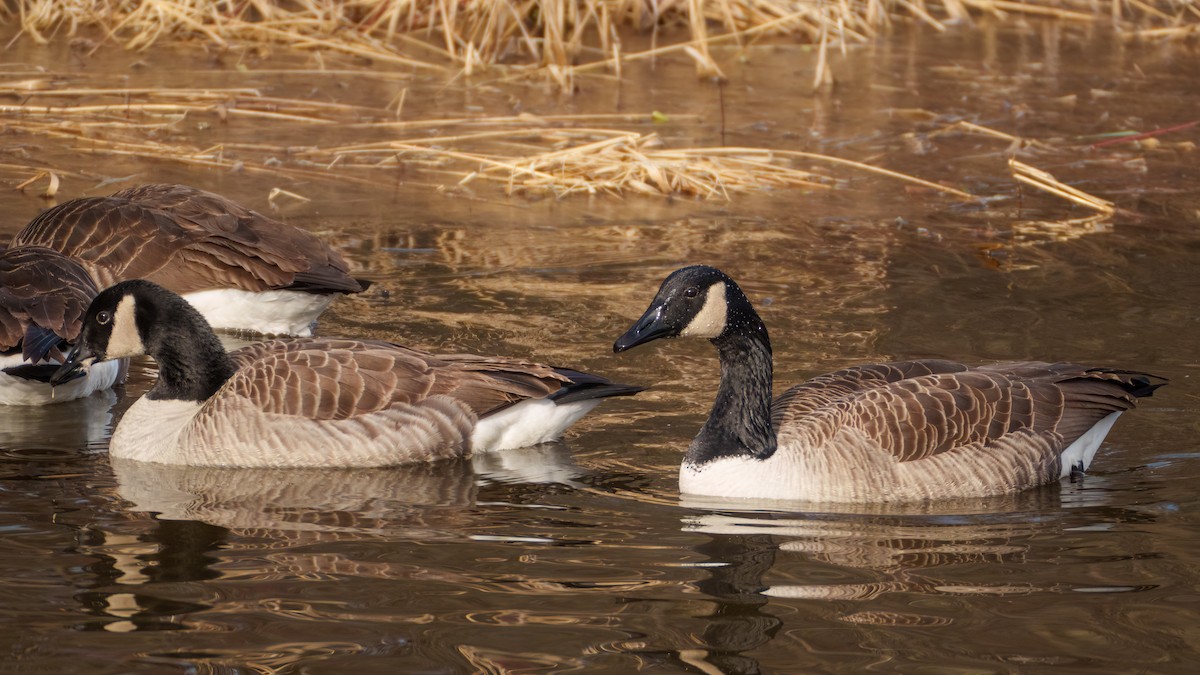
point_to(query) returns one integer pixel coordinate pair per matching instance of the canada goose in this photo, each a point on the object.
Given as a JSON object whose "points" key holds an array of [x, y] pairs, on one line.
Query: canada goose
{"points": [[316, 402], [43, 296], [903, 431], [241, 269]]}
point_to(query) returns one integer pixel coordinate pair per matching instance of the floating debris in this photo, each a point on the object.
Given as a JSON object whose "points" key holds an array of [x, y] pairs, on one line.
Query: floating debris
{"points": [[1043, 180]]}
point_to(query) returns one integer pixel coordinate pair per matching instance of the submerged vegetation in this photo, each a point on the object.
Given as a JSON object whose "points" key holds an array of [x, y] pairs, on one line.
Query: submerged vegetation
{"points": [[559, 40]]}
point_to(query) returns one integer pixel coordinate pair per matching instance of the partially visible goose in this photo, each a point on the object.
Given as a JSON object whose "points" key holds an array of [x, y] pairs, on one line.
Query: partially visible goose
{"points": [[904, 431], [43, 296], [241, 269], [316, 402]]}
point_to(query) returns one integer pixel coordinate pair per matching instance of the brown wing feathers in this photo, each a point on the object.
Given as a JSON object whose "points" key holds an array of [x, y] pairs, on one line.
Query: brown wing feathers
{"points": [[337, 379], [41, 289], [1099, 393], [487, 384], [187, 240], [825, 389], [927, 414]]}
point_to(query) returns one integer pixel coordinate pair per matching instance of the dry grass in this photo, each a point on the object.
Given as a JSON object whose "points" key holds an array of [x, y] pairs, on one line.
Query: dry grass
{"points": [[558, 39], [554, 155], [522, 154], [592, 161], [1043, 180]]}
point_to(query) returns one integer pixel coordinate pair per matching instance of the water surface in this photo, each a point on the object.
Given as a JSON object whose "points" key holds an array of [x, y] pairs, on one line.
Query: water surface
{"points": [[581, 556]]}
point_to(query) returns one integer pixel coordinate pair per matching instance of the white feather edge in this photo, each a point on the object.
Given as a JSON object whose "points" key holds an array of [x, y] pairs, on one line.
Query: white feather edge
{"points": [[19, 391], [268, 312], [530, 422], [1083, 450]]}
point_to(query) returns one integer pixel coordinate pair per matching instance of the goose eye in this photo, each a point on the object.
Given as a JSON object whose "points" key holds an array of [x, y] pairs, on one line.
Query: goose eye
{"points": [[691, 291], [103, 318]]}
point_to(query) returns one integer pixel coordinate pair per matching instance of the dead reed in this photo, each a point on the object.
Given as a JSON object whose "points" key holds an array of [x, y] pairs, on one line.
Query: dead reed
{"points": [[522, 154], [557, 39], [1043, 180], [554, 155], [564, 39]]}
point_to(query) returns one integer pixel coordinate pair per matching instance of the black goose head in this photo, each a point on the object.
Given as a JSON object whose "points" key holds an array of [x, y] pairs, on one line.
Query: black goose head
{"points": [[695, 301], [117, 325]]}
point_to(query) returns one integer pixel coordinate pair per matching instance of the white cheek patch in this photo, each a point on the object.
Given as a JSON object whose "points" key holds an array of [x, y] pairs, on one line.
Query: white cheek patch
{"points": [[125, 340], [709, 322]]}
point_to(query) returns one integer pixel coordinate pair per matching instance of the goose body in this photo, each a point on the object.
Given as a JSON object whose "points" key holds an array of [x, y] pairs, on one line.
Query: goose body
{"points": [[902, 431], [316, 402], [43, 296], [243, 270]]}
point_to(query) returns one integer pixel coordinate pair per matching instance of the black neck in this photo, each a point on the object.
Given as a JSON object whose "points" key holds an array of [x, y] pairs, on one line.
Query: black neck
{"points": [[192, 363], [740, 421]]}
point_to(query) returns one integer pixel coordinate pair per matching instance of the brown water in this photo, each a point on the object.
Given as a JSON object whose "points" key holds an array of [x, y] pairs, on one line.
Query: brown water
{"points": [[582, 556]]}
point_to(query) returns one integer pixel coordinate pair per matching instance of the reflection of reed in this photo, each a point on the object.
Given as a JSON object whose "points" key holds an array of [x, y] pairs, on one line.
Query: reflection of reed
{"points": [[1014, 254], [495, 661], [559, 292]]}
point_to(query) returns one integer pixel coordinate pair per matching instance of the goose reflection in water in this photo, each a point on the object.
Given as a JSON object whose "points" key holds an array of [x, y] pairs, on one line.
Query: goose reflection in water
{"points": [[273, 531], [82, 423], [391, 501], [748, 592], [898, 552], [200, 510]]}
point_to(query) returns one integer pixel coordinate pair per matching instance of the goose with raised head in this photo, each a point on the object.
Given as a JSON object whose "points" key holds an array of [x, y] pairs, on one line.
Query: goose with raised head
{"points": [[316, 401], [902, 431], [241, 269], [43, 296]]}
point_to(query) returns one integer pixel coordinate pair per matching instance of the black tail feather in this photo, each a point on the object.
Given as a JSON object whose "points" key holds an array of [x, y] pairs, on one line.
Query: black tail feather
{"points": [[37, 343], [39, 372], [585, 386]]}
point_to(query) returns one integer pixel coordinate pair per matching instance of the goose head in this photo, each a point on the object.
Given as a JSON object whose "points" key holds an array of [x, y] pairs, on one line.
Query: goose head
{"points": [[119, 323], [696, 301]]}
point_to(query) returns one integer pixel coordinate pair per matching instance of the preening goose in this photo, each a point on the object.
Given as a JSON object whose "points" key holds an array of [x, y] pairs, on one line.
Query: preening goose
{"points": [[904, 431], [316, 402], [43, 296], [241, 269]]}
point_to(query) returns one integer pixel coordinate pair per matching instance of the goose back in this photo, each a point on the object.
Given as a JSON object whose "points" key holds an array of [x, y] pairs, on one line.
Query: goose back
{"points": [[824, 390], [43, 295], [916, 416], [342, 378], [187, 240]]}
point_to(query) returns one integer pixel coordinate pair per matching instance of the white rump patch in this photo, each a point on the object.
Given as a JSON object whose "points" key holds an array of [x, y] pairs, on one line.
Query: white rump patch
{"points": [[1083, 450], [709, 322], [19, 391], [527, 423], [266, 312], [125, 340]]}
